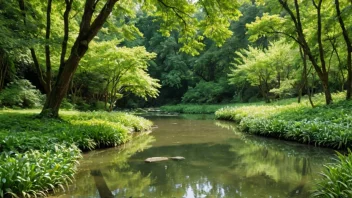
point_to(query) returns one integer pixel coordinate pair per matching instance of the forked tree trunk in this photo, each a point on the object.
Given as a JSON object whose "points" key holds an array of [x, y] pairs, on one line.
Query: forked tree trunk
{"points": [[301, 40], [88, 30]]}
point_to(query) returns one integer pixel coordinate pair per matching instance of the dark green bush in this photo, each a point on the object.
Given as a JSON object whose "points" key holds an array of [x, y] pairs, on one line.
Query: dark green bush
{"points": [[65, 104], [204, 92], [20, 93]]}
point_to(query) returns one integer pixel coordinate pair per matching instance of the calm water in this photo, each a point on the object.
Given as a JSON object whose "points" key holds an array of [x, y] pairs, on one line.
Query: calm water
{"points": [[220, 162]]}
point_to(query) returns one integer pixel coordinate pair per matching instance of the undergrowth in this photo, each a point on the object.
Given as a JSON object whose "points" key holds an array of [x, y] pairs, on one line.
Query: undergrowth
{"points": [[329, 126], [38, 155]]}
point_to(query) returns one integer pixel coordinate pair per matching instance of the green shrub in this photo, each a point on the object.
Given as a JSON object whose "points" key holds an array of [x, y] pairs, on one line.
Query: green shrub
{"points": [[337, 178], [204, 92], [20, 93], [65, 104], [323, 126], [30, 164], [34, 172]]}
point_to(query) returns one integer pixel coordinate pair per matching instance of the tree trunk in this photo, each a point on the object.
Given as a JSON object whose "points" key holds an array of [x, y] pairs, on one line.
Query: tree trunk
{"points": [[349, 50], [325, 83], [3, 68], [321, 71], [47, 48], [87, 32], [349, 76], [299, 94]]}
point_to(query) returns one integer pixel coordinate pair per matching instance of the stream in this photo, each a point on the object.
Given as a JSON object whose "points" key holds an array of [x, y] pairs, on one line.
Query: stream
{"points": [[220, 161]]}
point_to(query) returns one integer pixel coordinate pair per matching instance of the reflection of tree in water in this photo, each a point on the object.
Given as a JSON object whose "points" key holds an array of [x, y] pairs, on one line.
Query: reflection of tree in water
{"points": [[281, 162], [106, 172], [241, 166]]}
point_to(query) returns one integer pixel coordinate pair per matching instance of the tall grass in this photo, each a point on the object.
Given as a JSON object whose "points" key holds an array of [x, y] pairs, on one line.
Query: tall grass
{"points": [[38, 155], [337, 178]]}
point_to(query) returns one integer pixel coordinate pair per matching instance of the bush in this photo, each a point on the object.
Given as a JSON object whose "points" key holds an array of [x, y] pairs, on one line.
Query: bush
{"points": [[204, 92], [65, 104], [21, 93], [36, 172]]}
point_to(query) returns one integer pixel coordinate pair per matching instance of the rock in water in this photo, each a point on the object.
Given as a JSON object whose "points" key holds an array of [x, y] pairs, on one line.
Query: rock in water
{"points": [[156, 159], [177, 158]]}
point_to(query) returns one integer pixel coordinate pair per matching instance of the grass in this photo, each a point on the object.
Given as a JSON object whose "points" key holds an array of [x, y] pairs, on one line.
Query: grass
{"points": [[38, 155], [328, 126], [196, 108], [337, 178]]}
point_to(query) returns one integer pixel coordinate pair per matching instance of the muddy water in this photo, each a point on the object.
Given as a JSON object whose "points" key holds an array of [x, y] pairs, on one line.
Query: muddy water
{"points": [[220, 162]]}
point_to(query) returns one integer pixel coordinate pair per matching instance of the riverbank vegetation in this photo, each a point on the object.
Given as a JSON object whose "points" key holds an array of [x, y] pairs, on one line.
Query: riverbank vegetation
{"points": [[111, 55], [322, 126], [328, 126], [39, 155]]}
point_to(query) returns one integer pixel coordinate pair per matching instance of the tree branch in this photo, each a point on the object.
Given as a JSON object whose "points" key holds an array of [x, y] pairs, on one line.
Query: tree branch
{"points": [[66, 31]]}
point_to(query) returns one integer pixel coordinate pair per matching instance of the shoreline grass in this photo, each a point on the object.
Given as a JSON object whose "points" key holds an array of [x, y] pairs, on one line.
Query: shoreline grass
{"points": [[197, 108], [38, 155], [327, 126]]}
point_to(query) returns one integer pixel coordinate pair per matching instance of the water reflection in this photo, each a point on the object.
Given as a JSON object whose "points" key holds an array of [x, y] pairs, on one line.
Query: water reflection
{"points": [[220, 162]]}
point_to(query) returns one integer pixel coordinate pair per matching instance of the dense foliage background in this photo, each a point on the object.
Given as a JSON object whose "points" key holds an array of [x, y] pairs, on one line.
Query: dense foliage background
{"points": [[275, 49]]}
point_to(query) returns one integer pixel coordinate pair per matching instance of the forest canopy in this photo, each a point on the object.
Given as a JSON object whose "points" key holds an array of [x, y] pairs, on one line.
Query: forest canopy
{"points": [[97, 54]]}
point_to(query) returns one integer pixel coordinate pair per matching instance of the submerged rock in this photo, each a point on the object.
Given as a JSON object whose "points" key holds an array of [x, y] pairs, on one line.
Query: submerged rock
{"points": [[177, 158], [156, 159]]}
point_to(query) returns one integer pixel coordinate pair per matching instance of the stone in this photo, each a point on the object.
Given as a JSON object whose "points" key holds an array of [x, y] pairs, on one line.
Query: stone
{"points": [[156, 159], [177, 158]]}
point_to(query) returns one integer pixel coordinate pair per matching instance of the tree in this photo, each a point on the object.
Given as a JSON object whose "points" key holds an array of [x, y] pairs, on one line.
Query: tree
{"points": [[292, 26], [177, 15], [348, 48], [124, 71], [266, 69]]}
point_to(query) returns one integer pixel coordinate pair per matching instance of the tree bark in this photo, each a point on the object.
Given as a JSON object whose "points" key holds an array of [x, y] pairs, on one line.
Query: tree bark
{"points": [[47, 49], [87, 32], [66, 30], [349, 50], [39, 70], [3, 68]]}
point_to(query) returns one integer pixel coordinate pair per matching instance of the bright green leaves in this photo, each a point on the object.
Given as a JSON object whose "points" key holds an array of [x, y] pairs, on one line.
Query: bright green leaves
{"points": [[124, 69], [194, 20], [217, 18], [267, 25], [271, 68]]}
